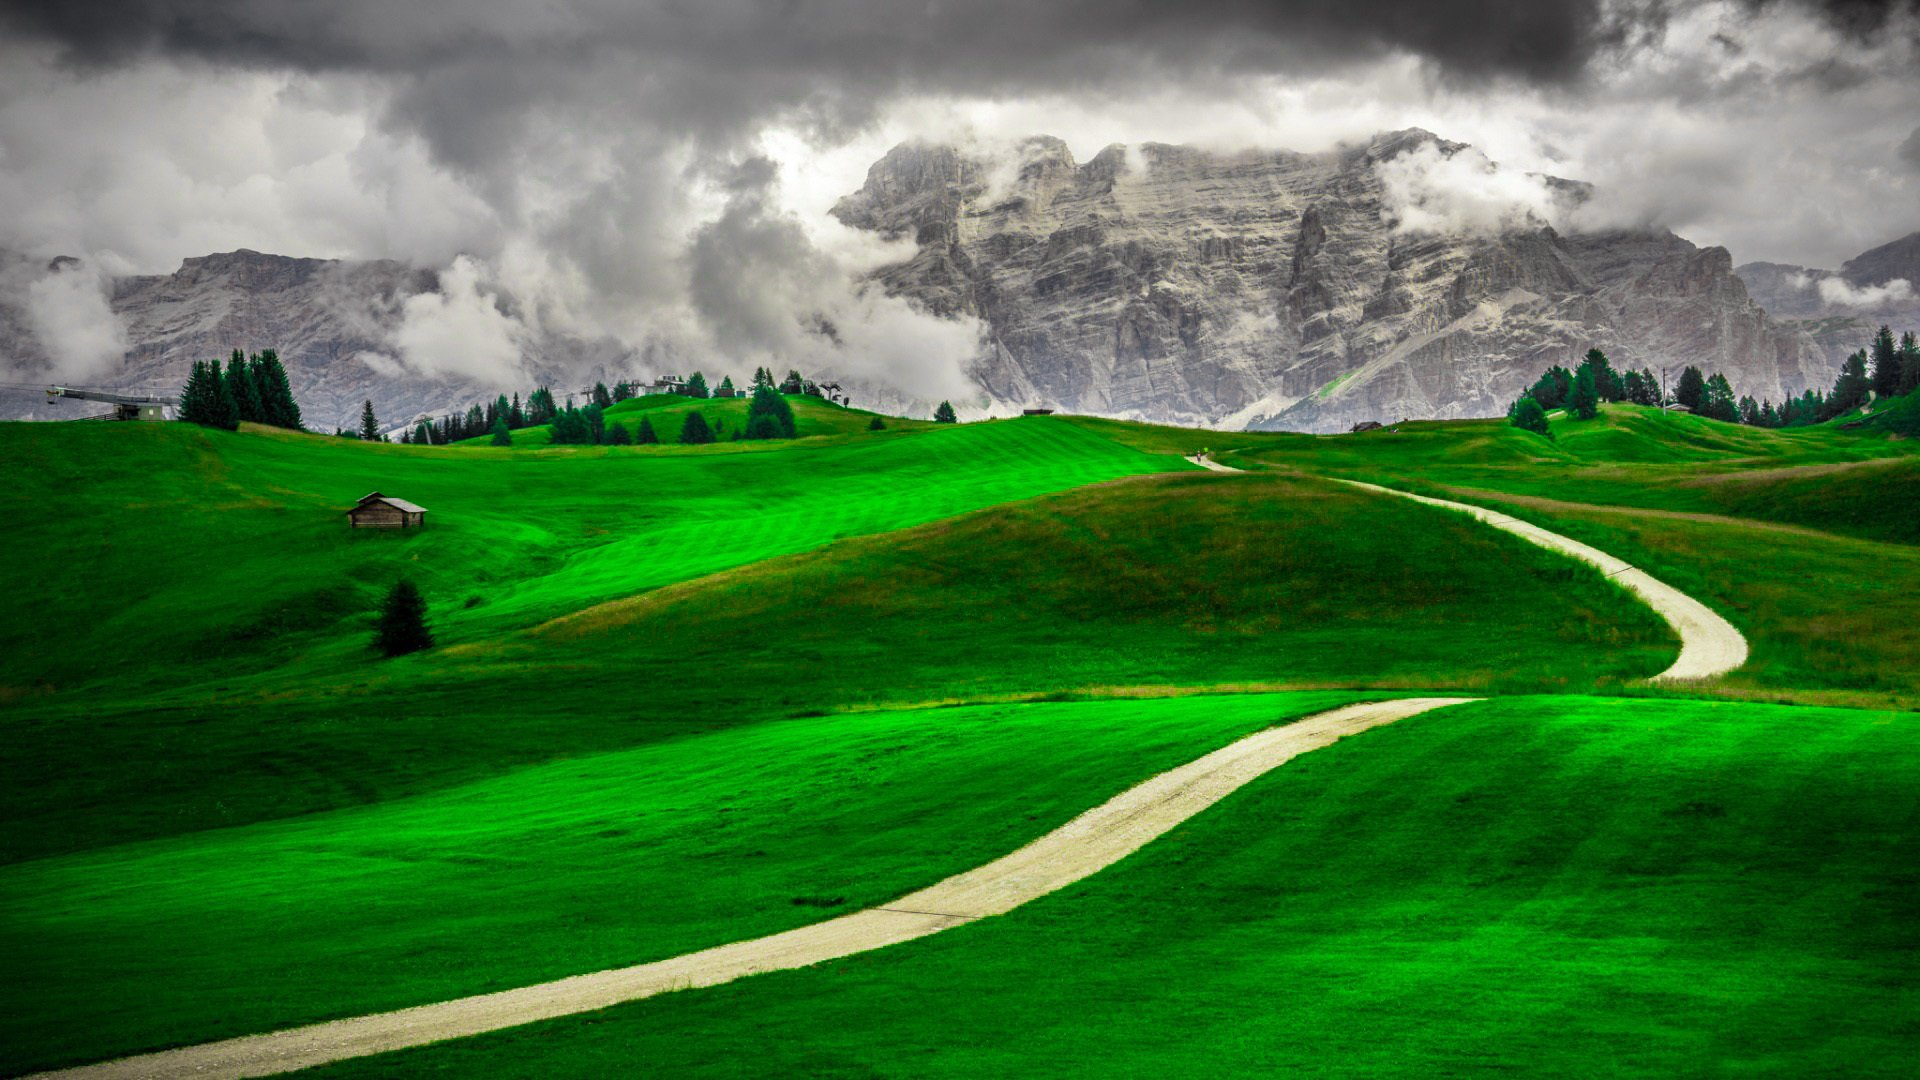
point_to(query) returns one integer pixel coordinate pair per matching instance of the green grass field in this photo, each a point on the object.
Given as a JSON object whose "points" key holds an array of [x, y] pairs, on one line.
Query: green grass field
{"points": [[1544, 886], [685, 695]]}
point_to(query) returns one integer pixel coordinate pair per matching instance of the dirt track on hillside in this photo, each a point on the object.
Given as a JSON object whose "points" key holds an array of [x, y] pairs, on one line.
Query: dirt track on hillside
{"points": [[1087, 844], [1709, 644]]}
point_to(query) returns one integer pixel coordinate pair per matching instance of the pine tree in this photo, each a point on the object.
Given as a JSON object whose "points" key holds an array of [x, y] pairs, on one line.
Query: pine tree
{"points": [[516, 417], [696, 386], [793, 384], [541, 408], [944, 414], [369, 426], [502, 435], [1909, 364], [403, 622], [276, 392], [1527, 415], [1606, 383], [1633, 387], [1720, 403], [726, 387], [1650, 387], [423, 434], [570, 428], [596, 420], [1552, 388], [1850, 389], [226, 410], [1886, 364], [246, 397], [196, 398], [600, 395], [618, 435], [762, 377], [644, 435], [1749, 412], [876, 424], [694, 431], [767, 402], [1692, 389], [1584, 401]]}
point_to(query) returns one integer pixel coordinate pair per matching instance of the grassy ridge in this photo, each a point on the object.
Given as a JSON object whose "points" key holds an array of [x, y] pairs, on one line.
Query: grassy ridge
{"points": [[591, 863], [668, 413], [1549, 886], [178, 553], [1197, 581]]}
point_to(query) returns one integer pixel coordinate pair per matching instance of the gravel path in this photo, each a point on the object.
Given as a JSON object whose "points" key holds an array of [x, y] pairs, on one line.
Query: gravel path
{"points": [[1709, 644], [1087, 844]]}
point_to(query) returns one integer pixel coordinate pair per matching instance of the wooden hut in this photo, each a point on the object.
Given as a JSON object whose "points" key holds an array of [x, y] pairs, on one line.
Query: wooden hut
{"points": [[377, 511]]}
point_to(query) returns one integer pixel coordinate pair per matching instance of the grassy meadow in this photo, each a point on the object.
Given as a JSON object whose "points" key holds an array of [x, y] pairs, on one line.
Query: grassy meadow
{"points": [[1549, 886], [687, 695]]}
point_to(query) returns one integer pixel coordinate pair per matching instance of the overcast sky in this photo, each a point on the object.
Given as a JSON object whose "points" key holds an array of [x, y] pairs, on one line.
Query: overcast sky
{"points": [[663, 168]]}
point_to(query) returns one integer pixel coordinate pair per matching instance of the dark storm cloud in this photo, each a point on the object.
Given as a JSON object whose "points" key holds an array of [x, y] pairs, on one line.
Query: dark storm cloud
{"points": [[959, 44]]}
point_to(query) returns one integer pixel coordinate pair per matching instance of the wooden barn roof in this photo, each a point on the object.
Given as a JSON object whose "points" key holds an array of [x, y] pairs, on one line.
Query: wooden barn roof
{"points": [[397, 504]]}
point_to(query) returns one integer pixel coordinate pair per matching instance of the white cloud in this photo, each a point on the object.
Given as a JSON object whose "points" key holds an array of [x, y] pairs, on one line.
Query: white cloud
{"points": [[1840, 292], [68, 312], [460, 330], [1427, 190]]}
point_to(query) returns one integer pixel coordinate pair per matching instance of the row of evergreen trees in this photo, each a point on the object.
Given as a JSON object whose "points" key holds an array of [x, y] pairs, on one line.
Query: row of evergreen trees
{"points": [[1883, 370], [252, 389], [586, 425]]}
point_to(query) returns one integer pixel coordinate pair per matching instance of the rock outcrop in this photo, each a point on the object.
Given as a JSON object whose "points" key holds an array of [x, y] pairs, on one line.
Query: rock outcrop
{"points": [[1840, 309], [1273, 289]]}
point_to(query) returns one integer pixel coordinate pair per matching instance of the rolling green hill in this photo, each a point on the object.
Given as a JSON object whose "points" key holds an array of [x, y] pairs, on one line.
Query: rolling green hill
{"points": [[667, 412], [685, 695], [1540, 886]]}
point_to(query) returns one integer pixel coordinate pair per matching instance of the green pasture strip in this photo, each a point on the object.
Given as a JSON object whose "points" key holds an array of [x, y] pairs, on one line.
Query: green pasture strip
{"points": [[1527, 886], [565, 868]]}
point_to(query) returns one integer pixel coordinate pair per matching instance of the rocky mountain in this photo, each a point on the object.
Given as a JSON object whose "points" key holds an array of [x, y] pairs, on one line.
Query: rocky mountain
{"points": [[331, 321], [1841, 309], [1273, 289]]}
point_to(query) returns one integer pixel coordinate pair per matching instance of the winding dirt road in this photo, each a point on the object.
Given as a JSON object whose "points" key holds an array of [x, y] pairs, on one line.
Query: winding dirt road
{"points": [[1709, 644], [1089, 843]]}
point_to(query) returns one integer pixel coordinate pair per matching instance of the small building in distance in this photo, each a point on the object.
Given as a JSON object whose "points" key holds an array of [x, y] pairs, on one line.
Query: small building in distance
{"points": [[377, 511]]}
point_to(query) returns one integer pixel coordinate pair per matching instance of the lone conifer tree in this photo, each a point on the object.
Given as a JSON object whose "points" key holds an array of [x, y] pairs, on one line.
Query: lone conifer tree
{"points": [[1527, 415], [369, 426], [1692, 391], [944, 414], [876, 424], [502, 435], [403, 622], [618, 435], [645, 435], [695, 432]]}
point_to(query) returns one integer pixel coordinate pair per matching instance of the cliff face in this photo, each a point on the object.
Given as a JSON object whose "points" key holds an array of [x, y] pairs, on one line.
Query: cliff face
{"points": [[1271, 289], [1840, 309]]}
